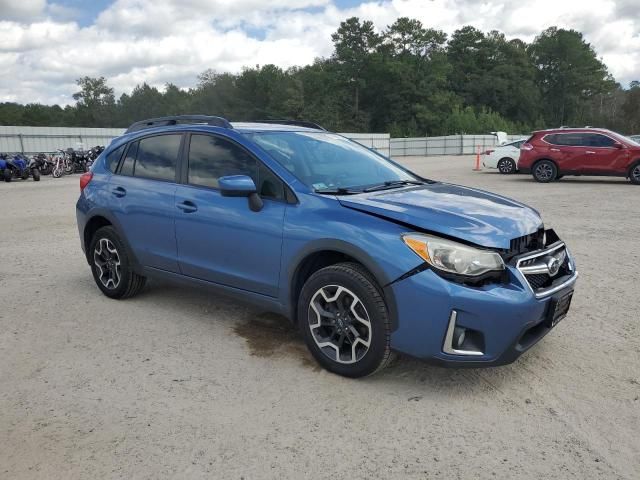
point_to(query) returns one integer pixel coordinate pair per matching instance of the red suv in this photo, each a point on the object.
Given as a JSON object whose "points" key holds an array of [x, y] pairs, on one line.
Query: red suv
{"points": [[550, 154]]}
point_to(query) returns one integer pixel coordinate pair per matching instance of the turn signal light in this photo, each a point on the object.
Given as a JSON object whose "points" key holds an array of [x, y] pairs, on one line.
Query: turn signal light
{"points": [[85, 178]]}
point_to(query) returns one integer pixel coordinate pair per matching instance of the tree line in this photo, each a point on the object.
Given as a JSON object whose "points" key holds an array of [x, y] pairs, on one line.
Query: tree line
{"points": [[407, 80]]}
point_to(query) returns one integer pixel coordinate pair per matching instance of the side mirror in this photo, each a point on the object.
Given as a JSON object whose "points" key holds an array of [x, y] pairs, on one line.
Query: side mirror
{"points": [[241, 186], [618, 145]]}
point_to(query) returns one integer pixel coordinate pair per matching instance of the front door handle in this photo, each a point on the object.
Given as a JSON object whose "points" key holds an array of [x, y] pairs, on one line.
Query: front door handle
{"points": [[589, 151], [119, 192], [187, 206], [554, 149]]}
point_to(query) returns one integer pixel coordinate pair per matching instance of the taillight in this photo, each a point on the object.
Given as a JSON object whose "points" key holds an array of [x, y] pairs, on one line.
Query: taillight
{"points": [[85, 178], [489, 152], [526, 146]]}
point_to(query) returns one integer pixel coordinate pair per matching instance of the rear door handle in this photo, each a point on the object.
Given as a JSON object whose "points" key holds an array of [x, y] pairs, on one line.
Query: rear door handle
{"points": [[589, 151], [119, 192], [187, 206], [554, 149]]}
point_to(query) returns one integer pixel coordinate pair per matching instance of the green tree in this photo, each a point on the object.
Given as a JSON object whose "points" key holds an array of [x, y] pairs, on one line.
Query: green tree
{"points": [[354, 43], [569, 74]]}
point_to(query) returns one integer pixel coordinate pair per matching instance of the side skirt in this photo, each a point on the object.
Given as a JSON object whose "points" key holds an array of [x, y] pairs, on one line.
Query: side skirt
{"points": [[268, 303]]}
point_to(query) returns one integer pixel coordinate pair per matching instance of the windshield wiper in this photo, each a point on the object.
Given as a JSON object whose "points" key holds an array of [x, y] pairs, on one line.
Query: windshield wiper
{"points": [[337, 191], [392, 184]]}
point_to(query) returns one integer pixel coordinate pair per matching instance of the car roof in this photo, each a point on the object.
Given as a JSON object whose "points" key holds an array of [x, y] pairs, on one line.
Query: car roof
{"points": [[270, 127], [574, 130]]}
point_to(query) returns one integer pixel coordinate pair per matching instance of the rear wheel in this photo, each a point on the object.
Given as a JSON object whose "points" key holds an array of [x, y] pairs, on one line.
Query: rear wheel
{"points": [[111, 266], [36, 175], [7, 176], [545, 171], [507, 166], [634, 174], [345, 321]]}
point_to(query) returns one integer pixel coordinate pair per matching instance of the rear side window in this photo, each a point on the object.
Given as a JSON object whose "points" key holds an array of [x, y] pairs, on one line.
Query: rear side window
{"points": [[126, 168], [113, 158], [157, 157], [567, 139]]}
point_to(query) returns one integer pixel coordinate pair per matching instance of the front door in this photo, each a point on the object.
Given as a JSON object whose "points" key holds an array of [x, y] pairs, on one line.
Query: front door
{"points": [[220, 239], [602, 156]]}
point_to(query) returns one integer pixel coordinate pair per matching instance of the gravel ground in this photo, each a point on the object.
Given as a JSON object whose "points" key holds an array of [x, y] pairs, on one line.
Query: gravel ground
{"points": [[179, 383]]}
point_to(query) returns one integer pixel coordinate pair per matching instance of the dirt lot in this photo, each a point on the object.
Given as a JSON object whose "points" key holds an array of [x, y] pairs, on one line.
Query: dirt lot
{"points": [[178, 383]]}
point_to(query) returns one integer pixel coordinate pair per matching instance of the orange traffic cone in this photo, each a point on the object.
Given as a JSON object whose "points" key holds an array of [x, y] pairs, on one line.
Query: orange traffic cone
{"points": [[477, 169]]}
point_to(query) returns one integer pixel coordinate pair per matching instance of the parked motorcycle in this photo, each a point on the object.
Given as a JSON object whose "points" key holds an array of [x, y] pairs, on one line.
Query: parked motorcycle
{"points": [[94, 153], [43, 163]]}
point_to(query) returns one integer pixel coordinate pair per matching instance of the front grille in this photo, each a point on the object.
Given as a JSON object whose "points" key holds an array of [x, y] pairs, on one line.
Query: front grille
{"points": [[540, 282]]}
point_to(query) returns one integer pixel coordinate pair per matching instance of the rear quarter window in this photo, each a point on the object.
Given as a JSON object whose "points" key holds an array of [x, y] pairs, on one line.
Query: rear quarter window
{"points": [[113, 158]]}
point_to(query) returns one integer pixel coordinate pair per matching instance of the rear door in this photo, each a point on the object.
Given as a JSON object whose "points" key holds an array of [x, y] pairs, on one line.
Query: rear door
{"points": [[567, 150], [142, 199], [219, 238]]}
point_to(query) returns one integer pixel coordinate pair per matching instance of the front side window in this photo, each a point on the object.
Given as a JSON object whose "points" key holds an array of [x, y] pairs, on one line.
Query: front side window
{"points": [[327, 161], [212, 157], [157, 157], [597, 140]]}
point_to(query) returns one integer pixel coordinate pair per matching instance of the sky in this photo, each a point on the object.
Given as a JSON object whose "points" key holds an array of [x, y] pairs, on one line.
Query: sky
{"points": [[46, 45]]}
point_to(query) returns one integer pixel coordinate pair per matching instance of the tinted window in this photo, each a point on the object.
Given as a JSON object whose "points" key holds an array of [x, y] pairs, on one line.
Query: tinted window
{"points": [[157, 157], [114, 157], [596, 140], [211, 158], [569, 139], [126, 168]]}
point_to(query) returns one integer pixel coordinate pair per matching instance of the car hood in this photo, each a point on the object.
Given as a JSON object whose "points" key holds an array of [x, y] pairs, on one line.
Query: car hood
{"points": [[472, 215]]}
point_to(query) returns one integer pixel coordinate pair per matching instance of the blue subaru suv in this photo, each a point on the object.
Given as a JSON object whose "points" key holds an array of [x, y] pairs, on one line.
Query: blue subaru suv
{"points": [[362, 255]]}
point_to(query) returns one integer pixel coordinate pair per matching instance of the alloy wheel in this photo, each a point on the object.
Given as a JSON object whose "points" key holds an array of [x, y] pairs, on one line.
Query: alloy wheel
{"points": [[107, 262], [544, 171], [339, 324], [635, 173], [506, 166]]}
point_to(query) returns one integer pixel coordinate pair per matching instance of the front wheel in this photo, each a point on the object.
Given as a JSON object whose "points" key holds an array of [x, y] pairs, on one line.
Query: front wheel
{"points": [[545, 171], [111, 266], [345, 321], [507, 166]]}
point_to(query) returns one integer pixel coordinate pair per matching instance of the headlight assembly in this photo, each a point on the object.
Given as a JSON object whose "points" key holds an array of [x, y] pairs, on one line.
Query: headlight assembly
{"points": [[453, 257]]}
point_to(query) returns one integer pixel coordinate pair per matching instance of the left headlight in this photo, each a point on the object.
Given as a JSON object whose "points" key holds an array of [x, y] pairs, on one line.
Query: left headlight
{"points": [[453, 257]]}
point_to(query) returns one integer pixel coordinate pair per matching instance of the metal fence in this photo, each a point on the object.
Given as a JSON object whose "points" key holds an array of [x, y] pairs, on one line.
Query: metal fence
{"points": [[31, 140], [447, 145]]}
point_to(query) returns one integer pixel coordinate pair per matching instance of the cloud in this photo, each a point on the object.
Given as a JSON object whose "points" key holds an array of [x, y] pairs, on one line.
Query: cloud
{"points": [[21, 9], [43, 49]]}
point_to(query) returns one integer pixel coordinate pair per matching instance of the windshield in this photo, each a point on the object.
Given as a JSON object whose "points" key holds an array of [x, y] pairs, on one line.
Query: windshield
{"points": [[326, 161]]}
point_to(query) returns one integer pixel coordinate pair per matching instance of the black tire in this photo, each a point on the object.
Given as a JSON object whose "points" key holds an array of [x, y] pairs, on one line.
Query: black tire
{"points": [[130, 283], [634, 173], [36, 174], [25, 175], [366, 301], [559, 177], [7, 175], [507, 166], [544, 171]]}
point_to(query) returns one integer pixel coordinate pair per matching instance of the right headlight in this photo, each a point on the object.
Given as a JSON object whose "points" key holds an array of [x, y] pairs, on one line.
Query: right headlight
{"points": [[453, 257]]}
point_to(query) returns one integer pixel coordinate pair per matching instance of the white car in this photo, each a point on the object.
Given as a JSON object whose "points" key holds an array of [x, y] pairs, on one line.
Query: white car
{"points": [[503, 157]]}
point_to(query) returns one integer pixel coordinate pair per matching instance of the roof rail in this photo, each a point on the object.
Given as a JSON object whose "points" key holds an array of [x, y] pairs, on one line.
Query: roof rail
{"points": [[179, 119], [297, 123]]}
